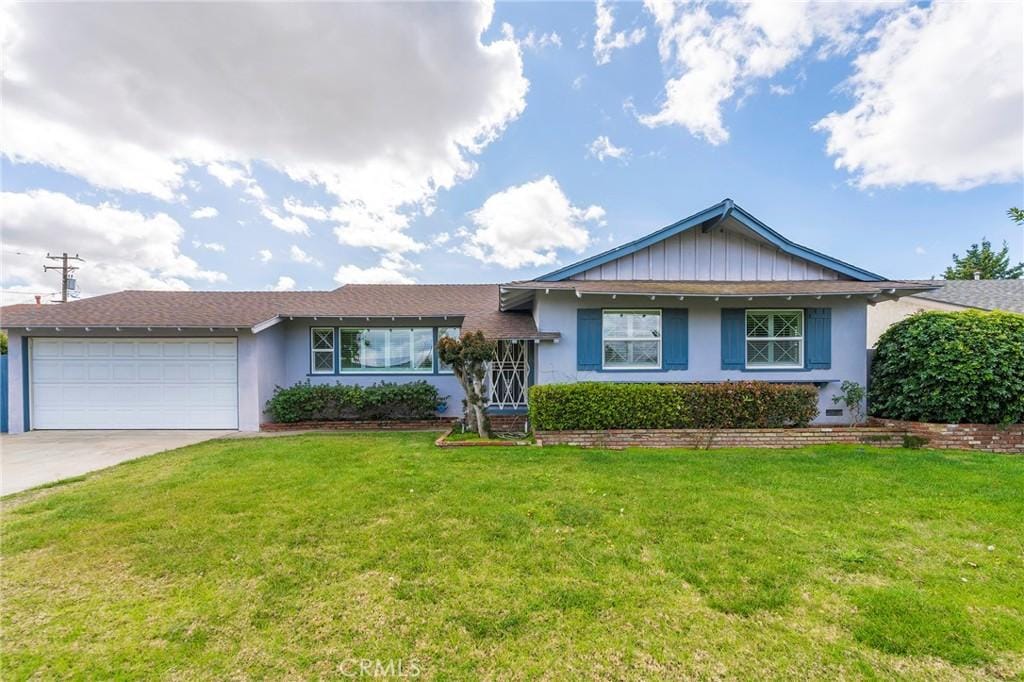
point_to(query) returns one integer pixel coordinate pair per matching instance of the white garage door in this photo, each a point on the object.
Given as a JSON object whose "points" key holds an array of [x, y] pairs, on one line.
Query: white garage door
{"points": [[134, 384]]}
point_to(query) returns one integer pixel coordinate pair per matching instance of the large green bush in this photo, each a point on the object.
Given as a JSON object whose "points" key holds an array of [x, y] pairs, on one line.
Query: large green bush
{"points": [[338, 402], [608, 405], [965, 367]]}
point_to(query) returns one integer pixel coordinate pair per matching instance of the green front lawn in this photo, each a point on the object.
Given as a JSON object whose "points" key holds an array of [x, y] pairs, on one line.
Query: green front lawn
{"points": [[292, 557]]}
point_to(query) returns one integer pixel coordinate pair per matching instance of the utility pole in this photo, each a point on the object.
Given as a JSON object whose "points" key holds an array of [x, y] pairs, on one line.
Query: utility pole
{"points": [[65, 272]]}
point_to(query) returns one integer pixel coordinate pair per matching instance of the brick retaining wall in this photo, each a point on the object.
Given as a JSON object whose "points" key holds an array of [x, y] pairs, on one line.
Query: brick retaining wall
{"points": [[508, 423], [987, 437], [421, 425], [726, 438]]}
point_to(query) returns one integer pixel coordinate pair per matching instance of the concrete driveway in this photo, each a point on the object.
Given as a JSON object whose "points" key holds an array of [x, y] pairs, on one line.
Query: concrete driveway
{"points": [[37, 457]]}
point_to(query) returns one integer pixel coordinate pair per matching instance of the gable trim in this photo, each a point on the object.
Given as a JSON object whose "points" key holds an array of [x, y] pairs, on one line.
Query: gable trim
{"points": [[717, 213]]}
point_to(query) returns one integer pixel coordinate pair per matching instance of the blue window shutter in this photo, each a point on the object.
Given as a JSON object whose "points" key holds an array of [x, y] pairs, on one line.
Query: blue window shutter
{"points": [[818, 338], [674, 338], [588, 338], [734, 336]]}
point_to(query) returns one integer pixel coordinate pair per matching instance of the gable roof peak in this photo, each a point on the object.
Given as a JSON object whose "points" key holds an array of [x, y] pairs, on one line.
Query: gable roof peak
{"points": [[708, 218]]}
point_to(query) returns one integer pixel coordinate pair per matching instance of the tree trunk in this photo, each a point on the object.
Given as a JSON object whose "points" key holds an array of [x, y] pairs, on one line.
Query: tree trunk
{"points": [[468, 413], [483, 425]]}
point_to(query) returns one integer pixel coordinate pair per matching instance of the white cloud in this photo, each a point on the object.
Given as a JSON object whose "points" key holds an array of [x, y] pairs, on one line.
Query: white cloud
{"points": [[938, 101], [527, 224], [122, 249], [577, 82], [232, 174], [209, 246], [440, 239], [205, 212], [920, 250], [781, 90], [602, 148], [392, 269], [714, 57], [417, 81], [539, 41], [296, 207], [290, 224], [284, 283], [606, 39], [265, 255], [300, 256]]}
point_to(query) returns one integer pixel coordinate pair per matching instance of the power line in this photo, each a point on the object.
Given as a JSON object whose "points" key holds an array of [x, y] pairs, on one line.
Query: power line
{"points": [[66, 280]]}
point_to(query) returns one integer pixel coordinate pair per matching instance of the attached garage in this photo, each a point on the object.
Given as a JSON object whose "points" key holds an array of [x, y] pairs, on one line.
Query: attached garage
{"points": [[133, 383]]}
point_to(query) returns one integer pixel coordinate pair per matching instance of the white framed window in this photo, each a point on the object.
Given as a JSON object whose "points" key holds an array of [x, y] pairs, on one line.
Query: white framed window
{"points": [[387, 350], [321, 345], [451, 333], [775, 339], [631, 339]]}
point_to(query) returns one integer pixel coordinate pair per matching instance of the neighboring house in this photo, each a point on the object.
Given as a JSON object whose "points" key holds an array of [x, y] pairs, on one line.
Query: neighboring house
{"points": [[715, 297], [978, 294]]}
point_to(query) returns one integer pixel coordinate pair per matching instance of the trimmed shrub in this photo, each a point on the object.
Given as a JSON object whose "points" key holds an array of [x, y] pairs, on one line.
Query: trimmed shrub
{"points": [[340, 402], [963, 367], [729, 405]]}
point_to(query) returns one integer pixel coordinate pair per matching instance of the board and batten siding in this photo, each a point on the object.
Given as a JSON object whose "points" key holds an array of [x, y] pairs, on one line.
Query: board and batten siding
{"points": [[718, 255]]}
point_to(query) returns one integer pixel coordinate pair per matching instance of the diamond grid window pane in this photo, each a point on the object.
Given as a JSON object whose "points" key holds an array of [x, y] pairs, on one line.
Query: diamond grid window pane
{"points": [[786, 352], [758, 324], [323, 339], [758, 353], [645, 326], [616, 325], [323, 361], [616, 352], [644, 353], [787, 324]]}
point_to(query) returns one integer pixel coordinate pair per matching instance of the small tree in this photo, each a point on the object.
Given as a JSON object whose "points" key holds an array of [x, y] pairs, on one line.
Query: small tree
{"points": [[852, 396], [468, 356], [983, 260]]}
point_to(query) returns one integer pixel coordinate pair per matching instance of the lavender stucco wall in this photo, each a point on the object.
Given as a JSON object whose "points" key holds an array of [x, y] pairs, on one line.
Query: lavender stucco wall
{"points": [[295, 344], [556, 362]]}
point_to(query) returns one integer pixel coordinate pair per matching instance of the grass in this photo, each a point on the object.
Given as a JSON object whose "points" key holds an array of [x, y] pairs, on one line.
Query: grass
{"points": [[293, 557]]}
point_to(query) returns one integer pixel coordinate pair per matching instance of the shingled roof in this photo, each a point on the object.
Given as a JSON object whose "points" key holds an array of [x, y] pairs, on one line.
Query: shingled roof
{"points": [[986, 294], [477, 304]]}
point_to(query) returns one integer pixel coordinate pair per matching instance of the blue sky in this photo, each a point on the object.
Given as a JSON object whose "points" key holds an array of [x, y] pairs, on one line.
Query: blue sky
{"points": [[534, 196]]}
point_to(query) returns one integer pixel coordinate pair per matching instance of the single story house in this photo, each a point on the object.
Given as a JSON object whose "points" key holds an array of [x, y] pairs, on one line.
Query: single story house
{"points": [[950, 295], [717, 296]]}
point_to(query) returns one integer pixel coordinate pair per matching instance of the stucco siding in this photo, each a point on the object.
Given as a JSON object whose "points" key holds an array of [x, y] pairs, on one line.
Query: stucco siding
{"points": [[15, 385], [295, 341], [556, 362], [270, 344], [883, 315], [718, 255]]}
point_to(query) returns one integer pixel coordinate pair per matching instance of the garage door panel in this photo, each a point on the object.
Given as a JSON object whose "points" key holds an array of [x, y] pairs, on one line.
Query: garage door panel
{"points": [[99, 349], [134, 383], [124, 372]]}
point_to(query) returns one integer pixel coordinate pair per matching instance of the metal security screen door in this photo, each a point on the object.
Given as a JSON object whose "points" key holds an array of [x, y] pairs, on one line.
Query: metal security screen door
{"points": [[509, 375]]}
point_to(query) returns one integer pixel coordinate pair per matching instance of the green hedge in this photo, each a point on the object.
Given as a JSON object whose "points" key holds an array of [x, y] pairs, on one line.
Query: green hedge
{"points": [[965, 367], [729, 405], [339, 402]]}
